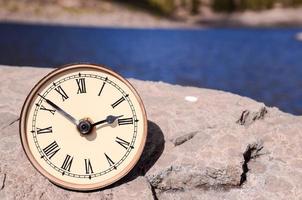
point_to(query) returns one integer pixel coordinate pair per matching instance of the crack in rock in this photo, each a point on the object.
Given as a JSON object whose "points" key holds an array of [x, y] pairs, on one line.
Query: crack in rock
{"points": [[41, 195], [243, 117], [181, 178], [153, 191], [11, 123], [247, 118], [252, 151], [14, 121], [3, 182], [184, 138]]}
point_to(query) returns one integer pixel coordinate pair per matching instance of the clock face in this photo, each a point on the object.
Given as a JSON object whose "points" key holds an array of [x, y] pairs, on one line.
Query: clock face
{"points": [[83, 127]]}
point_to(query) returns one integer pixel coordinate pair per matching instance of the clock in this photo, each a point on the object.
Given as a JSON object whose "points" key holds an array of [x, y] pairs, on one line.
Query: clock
{"points": [[83, 126]]}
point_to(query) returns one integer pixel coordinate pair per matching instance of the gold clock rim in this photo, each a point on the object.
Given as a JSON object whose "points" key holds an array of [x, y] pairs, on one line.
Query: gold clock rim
{"points": [[34, 162]]}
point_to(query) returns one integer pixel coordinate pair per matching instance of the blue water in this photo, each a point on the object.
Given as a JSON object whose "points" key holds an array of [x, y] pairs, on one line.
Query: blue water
{"points": [[264, 64]]}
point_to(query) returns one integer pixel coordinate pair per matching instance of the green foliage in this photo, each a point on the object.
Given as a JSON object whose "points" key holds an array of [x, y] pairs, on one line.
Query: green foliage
{"points": [[293, 3], [162, 6], [239, 5], [224, 5], [165, 7], [195, 6], [256, 4]]}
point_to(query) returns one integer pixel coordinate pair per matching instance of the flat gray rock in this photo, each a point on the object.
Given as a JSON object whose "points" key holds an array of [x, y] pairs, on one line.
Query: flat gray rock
{"points": [[211, 145]]}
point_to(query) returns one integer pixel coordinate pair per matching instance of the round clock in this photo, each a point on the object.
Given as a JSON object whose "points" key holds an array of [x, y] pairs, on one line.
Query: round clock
{"points": [[83, 126]]}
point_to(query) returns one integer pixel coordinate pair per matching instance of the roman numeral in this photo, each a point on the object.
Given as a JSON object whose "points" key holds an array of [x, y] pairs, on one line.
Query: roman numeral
{"points": [[102, 88], [122, 142], [88, 166], [67, 163], [111, 163], [46, 109], [44, 130], [118, 102], [61, 92], [125, 121], [51, 149], [81, 85]]}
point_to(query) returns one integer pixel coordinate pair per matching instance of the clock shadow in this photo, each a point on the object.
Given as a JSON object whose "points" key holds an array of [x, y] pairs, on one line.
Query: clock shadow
{"points": [[154, 147]]}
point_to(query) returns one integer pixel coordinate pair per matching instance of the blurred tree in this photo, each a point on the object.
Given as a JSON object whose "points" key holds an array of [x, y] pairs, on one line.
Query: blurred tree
{"points": [[163, 6], [224, 5], [256, 4], [174, 8], [294, 3], [168, 7], [239, 5], [195, 6]]}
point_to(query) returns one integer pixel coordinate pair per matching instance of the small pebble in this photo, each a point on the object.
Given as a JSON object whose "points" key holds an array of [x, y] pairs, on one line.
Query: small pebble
{"points": [[298, 36], [191, 98]]}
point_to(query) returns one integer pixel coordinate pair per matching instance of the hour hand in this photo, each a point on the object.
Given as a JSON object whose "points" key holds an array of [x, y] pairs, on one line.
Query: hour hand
{"points": [[109, 119], [60, 110]]}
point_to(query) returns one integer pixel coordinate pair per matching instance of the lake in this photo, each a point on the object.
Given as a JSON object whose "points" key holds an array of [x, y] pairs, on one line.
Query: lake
{"points": [[264, 64]]}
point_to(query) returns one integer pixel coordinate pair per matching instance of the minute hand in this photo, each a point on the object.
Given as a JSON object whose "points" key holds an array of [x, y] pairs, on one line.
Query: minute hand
{"points": [[60, 110]]}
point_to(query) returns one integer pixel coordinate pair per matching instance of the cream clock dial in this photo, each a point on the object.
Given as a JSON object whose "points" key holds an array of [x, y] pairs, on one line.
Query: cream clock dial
{"points": [[83, 127]]}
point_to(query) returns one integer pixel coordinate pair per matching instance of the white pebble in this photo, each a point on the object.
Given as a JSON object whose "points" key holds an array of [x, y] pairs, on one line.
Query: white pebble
{"points": [[191, 98], [299, 36]]}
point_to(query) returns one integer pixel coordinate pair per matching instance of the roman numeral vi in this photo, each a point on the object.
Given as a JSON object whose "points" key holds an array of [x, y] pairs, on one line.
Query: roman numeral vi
{"points": [[88, 167]]}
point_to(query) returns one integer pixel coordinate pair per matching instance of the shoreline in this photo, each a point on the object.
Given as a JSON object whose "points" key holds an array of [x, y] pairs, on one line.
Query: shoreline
{"points": [[121, 16]]}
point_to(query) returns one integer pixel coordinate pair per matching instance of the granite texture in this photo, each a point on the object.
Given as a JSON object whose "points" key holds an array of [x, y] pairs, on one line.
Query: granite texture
{"points": [[222, 146]]}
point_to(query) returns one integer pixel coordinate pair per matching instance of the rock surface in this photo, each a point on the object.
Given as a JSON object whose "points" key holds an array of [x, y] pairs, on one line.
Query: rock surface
{"points": [[223, 146]]}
